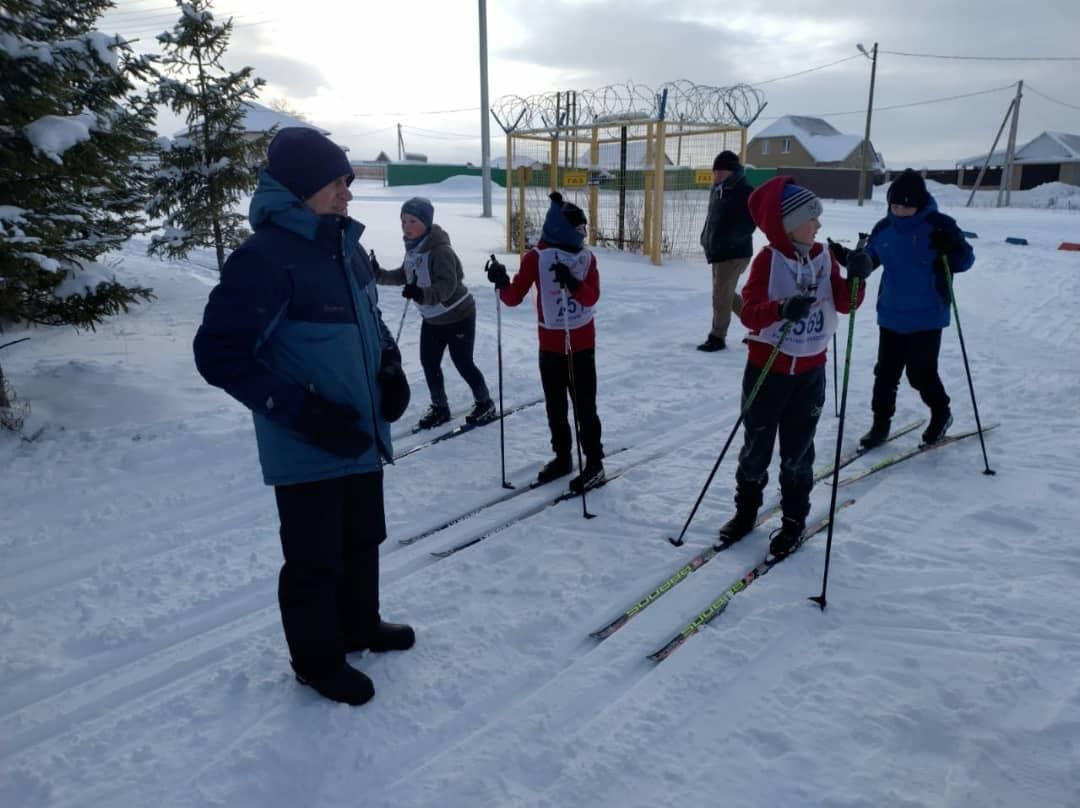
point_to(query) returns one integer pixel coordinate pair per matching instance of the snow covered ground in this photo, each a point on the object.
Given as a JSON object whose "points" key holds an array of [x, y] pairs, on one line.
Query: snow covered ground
{"points": [[142, 660]]}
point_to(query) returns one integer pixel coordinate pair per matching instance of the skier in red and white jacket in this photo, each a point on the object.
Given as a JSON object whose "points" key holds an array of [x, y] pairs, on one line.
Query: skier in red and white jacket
{"points": [[561, 267], [792, 279]]}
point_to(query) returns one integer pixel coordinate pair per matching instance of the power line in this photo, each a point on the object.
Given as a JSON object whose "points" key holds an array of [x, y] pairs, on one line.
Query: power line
{"points": [[985, 58], [803, 72], [439, 133], [1031, 89], [905, 106], [410, 112]]}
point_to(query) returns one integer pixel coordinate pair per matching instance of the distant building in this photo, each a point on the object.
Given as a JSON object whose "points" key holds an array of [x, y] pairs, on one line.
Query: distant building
{"points": [[1050, 157], [259, 120], [797, 141]]}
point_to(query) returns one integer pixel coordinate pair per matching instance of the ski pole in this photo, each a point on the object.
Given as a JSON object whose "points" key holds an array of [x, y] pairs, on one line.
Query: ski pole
{"points": [[967, 367], [401, 324], [498, 343], [573, 401], [835, 371], [679, 542], [820, 599]]}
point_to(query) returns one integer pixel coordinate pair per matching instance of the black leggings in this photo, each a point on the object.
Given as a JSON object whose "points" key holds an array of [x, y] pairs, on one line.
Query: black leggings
{"points": [[459, 337]]}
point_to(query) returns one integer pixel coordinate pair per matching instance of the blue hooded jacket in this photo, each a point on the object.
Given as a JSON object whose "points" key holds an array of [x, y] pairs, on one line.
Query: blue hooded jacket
{"points": [[296, 310], [913, 295]]}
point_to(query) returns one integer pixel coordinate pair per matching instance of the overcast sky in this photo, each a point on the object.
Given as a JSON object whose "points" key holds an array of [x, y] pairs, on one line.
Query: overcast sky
{"points": [[360, 68]]}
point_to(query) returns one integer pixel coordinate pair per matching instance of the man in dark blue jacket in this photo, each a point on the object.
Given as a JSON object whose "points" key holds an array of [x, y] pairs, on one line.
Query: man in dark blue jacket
{"points": [[914, 242], [293, 332], [727, 239]]}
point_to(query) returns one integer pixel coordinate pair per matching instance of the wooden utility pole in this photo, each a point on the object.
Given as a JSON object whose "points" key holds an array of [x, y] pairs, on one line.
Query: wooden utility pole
{"points": [[866, 136], [1010, 149]]}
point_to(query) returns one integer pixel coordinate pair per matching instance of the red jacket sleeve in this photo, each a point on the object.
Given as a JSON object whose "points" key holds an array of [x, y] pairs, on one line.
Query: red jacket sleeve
{"points": [[758, 311], [522, 281], [841, 290], [589, 291]]}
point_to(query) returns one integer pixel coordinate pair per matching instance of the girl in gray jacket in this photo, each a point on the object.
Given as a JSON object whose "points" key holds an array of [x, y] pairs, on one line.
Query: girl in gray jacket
{"points": [[431, 275]]}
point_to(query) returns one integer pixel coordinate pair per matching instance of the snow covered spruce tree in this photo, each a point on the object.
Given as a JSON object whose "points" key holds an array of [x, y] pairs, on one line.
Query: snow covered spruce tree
{"points": [[75, 140], [204, 172]]}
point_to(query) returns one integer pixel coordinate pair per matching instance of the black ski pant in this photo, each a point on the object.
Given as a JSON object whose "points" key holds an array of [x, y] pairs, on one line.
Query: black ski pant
{"points": [[917, 353], [788, 405], [459, 337], [555, 378], [328, 589]]}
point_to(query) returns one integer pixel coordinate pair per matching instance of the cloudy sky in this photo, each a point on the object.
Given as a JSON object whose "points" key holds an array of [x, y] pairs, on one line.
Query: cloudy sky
{"points": [[359, 69]]}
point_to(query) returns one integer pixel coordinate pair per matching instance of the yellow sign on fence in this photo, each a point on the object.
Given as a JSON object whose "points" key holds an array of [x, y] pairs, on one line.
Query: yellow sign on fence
{"points": [[575, 179], [703, 176]]}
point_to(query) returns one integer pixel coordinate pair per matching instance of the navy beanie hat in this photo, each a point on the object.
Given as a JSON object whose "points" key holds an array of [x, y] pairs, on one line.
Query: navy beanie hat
{"points": [[725, 161], [909, 190], [420, 208], [561, 223], [798, 205], [304, 160]]}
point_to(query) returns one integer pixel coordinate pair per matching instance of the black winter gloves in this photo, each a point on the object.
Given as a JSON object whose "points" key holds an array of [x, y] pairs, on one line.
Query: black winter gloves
{"points": [[411, 291], [394, 387], [497, 274], [331, 426], [859, 265], [796, 308], [944, 241], [839, 252], [564, 277], [374, 262]]}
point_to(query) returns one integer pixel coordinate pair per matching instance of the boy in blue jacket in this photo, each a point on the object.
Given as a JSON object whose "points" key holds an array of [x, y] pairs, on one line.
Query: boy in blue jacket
{"points": [[913, 301]]}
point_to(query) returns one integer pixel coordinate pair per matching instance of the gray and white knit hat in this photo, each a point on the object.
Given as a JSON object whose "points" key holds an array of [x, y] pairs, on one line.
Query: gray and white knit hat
{"points": [[798, 206]]}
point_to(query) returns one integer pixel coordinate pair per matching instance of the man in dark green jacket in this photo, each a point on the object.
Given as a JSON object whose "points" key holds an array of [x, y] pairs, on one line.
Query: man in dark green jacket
{"points": [[727, 241]]}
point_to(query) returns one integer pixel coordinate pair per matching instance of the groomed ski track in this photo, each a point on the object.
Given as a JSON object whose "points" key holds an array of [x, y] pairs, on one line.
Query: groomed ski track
{"points": [[176, 623]]}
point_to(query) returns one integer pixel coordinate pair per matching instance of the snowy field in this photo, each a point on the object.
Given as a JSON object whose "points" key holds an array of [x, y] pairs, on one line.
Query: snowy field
{"points": [[142, 661]]}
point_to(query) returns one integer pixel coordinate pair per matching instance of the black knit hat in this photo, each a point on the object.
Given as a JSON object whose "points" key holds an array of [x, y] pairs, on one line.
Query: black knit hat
{"points": [[909, 190], [725, 161], [304, 160]]}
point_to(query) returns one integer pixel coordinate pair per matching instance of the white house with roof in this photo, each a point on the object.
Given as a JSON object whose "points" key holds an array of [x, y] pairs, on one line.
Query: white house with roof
{"points": [[798, 141], [1049, 157], [259, 120]]}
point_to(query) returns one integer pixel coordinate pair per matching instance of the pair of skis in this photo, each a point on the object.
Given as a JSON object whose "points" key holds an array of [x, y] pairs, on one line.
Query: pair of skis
{"points": [[705, 556], [700, 559], [461, 429]]}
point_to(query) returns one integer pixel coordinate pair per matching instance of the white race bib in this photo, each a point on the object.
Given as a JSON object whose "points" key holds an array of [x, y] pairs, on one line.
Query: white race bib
{"points": [[417, 271], [555, 315], [788, 278]]}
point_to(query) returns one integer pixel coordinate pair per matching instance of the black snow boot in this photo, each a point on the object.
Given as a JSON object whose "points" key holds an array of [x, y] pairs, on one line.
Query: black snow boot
{"points": [[712, 344], [437, 414], [591, 477], [345, 684], [736, 527], [940, 422], [785, 539], [877, 434], [385, 637], [557, 467], [484, 412]]}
